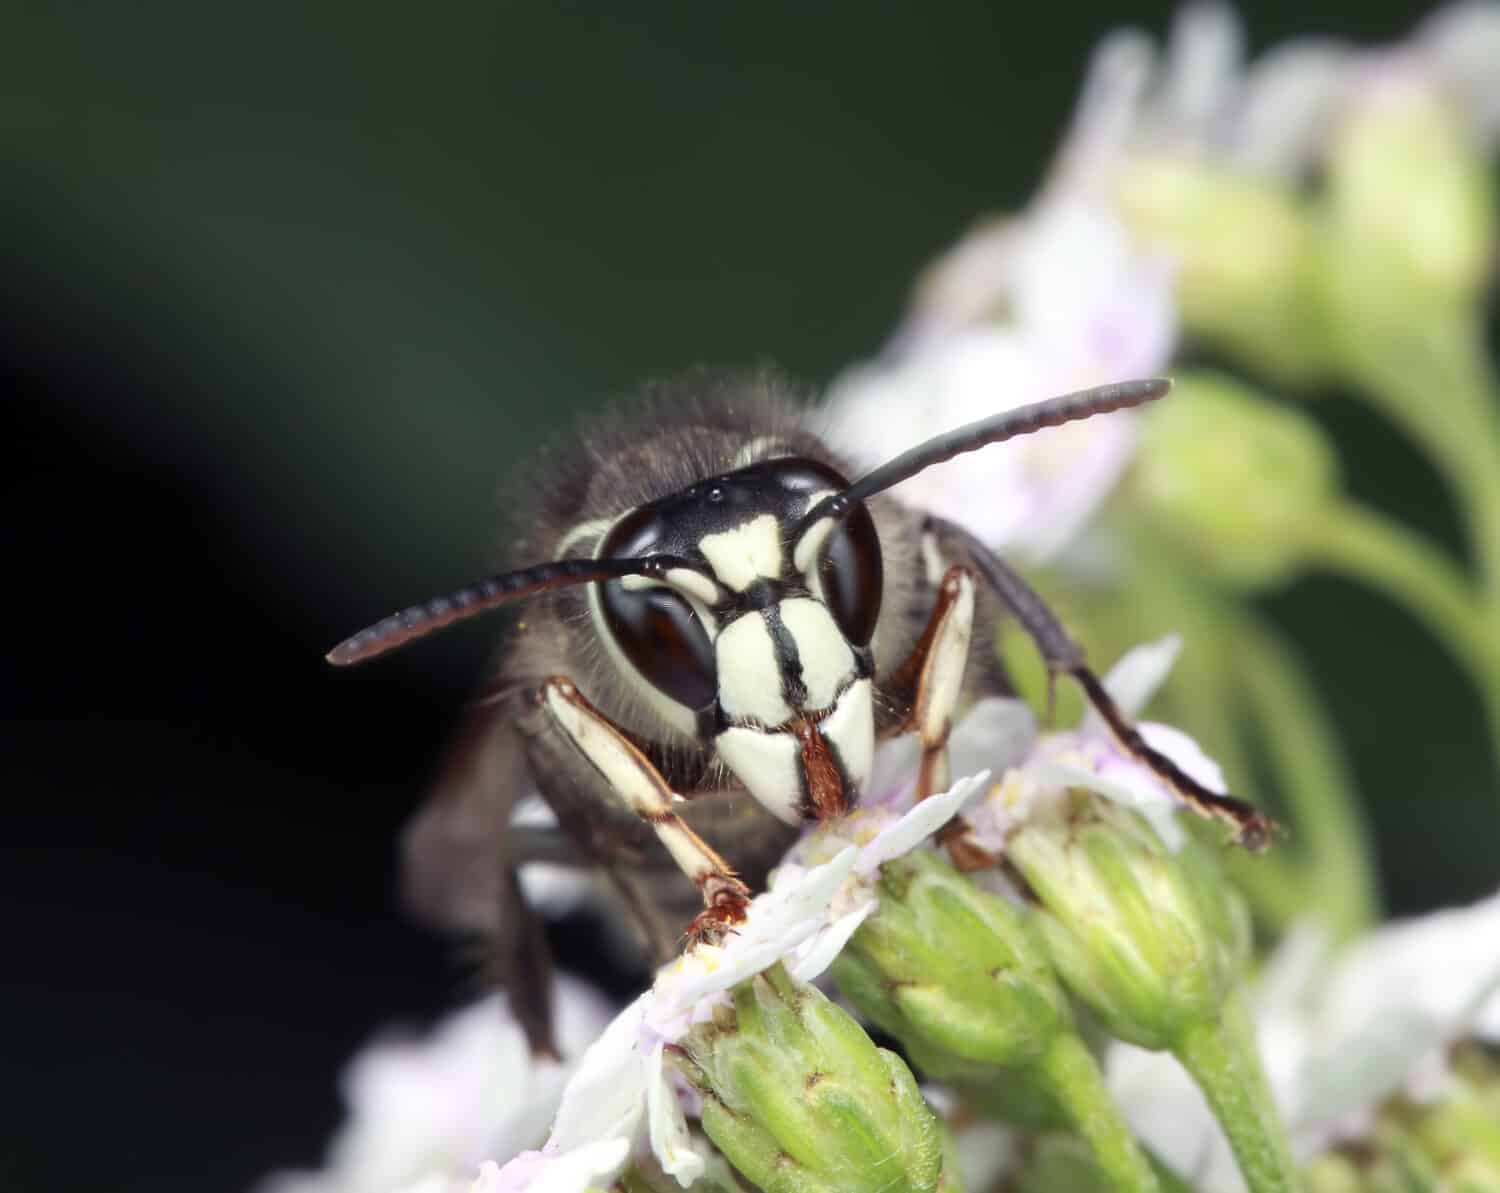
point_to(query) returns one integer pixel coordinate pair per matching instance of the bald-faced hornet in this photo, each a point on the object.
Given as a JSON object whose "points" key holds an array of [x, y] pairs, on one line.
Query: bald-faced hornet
{"points": [[725, 627]]}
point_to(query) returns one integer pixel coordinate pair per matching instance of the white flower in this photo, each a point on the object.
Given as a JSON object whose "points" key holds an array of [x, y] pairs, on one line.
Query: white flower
{"points": [[1089, 757], [433, 1108], [622, 1090], [1054, 301], [1338, 1035], [1274, 117]]}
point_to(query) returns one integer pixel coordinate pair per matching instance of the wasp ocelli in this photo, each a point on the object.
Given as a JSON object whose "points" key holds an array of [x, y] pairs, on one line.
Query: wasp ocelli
{"points": [[720, 627]]}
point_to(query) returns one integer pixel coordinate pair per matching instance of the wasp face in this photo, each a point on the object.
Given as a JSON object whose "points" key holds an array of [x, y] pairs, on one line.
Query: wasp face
{"points": [[763, 646]]}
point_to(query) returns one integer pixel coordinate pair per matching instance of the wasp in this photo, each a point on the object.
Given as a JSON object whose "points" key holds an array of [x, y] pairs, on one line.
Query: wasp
{"points": [[721, 626]]}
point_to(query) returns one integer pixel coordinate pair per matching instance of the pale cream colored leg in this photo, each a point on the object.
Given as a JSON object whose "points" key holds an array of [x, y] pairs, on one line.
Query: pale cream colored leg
{"points": [[641, 788]]}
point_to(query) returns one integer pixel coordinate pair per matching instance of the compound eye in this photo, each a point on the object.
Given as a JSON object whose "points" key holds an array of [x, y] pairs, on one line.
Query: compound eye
{"points": [[655, 628], [852, 575]]}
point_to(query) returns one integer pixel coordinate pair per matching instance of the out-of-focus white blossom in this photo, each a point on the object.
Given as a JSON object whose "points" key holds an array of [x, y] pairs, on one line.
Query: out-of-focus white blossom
{"points": [[1053, 301], [1338, 1034], [1275, 116], [433, 1108]]}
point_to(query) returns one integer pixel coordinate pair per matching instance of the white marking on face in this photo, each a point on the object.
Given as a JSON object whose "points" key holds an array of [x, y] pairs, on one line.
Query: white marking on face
{"points": [[850, 730], [748, 553], [749, 679], [827, 660], [769, 765], [810, 545]]}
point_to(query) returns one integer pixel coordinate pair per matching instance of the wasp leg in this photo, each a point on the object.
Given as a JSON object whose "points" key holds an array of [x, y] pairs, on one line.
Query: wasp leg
{"points": [[641, 788], [934, 674], [1063, 656]]}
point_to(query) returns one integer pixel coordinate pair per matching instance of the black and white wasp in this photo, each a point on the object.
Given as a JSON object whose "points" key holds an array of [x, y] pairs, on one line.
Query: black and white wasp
{"points": [[722, 629]]}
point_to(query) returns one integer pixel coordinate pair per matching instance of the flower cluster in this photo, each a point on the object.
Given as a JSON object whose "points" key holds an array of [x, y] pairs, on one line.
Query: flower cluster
{"points": [[1063, 955]]}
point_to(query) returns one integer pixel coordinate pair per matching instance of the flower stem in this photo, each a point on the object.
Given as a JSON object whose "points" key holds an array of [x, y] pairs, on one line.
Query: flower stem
{"points": [[1070, 1072], [1315, 778], [1385, 555], [1434, 379], [1221, 1055]]}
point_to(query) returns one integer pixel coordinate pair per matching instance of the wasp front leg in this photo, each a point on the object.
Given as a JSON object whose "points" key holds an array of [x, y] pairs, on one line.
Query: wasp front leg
{"points": [[1064, 656], [640, 787], [933, 674]]}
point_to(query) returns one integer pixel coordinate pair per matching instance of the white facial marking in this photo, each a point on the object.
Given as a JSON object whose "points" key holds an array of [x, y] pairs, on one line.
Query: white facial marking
{"points": [[694, 584], [827, 660], [749, 679], [748, 553], [769, 765], [850, 730], [805, 553]]}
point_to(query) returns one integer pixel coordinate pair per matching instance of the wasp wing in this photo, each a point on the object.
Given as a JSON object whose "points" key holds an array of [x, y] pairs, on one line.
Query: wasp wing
{"points": [[458, 872]]}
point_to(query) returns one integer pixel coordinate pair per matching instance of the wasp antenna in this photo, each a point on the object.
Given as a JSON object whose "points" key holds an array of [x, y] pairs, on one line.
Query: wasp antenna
{"points": [[1010, 424], [480, 597]]}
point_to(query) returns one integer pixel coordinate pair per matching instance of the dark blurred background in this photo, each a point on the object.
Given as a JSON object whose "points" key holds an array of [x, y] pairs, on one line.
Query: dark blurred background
{"points": [[286, 289]]}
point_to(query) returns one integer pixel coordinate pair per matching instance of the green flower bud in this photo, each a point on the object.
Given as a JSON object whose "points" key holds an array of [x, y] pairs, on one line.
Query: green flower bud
{"points": [[1232, 479], [961, 977], [1411, 208], [959, 973], [1152, 941], [1245, 252], [799, 1100]]}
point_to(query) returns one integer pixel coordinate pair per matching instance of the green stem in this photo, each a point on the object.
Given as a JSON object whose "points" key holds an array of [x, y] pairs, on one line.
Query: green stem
{"points": [[1069, 1071], [1434, 379], [1329, 851], [1223, 1060], [1388, 557], [1315, 779]]}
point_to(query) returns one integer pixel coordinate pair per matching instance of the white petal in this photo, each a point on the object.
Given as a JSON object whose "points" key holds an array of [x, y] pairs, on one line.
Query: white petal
{"points": [[893, 777], [986, 1153], [1291, 98], [1461, 42], [1135, 679], [1185, 752], [586, 1167], [1169, 1113], [606, 1097], [1204, 55], [1108, 108], [995, 735], [792, 911], [668, 1128], [1126, 783], [813, 956], [436, 1105], [917, 825]]}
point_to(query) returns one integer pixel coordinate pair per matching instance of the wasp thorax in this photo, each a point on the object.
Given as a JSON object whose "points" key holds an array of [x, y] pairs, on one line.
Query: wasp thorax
{"points": [[769, 660]]}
